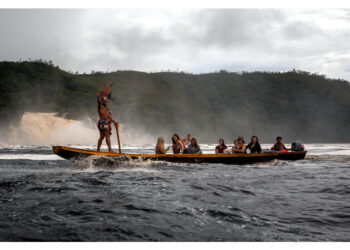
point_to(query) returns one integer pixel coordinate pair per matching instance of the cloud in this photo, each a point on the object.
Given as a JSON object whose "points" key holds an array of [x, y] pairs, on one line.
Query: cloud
{"points": [[192, 40], [236, 28], [130, 45], [33, 33], [300, 30]]}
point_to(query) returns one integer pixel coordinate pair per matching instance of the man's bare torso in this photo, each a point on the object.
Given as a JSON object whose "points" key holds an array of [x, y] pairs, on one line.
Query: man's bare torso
{"points": [[104, 113]]}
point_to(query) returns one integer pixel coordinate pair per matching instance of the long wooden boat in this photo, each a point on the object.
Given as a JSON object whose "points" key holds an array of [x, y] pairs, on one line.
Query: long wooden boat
{"points": [[74, 153]]}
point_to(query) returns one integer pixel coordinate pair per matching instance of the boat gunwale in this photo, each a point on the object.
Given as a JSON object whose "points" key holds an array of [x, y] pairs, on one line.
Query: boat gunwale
{"points": [[56, 149]]}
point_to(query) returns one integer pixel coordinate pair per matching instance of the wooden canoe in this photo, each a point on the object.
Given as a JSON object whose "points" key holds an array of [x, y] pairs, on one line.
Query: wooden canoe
{"points": [[74, 153]]}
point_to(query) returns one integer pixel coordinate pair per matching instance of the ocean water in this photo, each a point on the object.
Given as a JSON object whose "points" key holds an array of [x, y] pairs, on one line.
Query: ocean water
{"points": [[46, 198]]}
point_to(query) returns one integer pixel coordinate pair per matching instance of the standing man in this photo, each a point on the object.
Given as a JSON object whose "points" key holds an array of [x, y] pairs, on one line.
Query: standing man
{"points": [[104, 123]]}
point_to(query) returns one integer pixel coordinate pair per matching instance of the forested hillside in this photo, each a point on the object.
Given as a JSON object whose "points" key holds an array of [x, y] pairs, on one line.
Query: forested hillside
{"points": [[295, 104]]}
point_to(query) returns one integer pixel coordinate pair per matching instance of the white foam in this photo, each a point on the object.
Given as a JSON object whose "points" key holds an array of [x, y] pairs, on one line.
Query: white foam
{"points": [[96, 162], [30, 157]]}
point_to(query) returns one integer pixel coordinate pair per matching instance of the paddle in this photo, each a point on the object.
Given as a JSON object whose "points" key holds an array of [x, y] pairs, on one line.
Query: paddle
{"points": [[117, 130]]}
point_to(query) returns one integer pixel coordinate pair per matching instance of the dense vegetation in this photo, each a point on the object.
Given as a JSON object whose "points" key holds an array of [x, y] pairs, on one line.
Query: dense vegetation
{"points": [[295, 104]]}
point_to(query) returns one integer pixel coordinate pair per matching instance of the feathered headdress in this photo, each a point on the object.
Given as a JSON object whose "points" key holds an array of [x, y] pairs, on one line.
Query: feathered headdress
{"points": [[106, 91]]}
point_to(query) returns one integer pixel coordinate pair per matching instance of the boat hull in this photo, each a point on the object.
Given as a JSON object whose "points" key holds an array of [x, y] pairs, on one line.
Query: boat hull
{"points": [[74, 153]]}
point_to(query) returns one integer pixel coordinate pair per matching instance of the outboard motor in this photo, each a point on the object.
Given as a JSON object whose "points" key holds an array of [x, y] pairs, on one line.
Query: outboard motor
{"points": [[298, 146]]}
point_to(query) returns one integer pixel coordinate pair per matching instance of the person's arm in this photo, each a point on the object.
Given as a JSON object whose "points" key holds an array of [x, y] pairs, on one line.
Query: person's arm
{"points": [[284, 147], [182, 145], [99, 103], [241, 150], [258, 148], [162, 150], [216, 150], [199, 151], [109, 114], [116, 124]]}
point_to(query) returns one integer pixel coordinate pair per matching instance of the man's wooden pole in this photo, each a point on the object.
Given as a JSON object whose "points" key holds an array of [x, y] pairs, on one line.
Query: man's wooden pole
{"points": [[117, 129]]}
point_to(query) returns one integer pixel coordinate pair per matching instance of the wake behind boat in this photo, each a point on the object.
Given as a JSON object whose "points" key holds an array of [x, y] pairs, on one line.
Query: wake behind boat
{"points": [[243, 158]]}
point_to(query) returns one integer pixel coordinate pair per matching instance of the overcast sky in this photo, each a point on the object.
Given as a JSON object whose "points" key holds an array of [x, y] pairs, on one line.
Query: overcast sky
{"points": [[197, 40]]}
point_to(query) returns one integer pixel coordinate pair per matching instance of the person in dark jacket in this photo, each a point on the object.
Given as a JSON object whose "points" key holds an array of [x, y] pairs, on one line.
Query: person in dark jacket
{"points": [[254, 145], [193, 148]]}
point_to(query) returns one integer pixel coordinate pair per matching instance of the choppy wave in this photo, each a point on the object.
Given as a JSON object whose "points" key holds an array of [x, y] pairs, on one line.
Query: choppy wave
{"points": [[43, 198]]}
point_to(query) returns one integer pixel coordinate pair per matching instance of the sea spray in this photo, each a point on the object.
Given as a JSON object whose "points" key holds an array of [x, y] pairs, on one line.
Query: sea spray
{"points": [[97, 162], [51, 129]]}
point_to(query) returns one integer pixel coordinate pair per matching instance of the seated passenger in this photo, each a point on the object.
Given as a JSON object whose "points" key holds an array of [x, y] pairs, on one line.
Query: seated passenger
{"points": [[219, 149], [230, 150], [240, 147], [254, 145], [279, 146], [160, 149], [193, 148], [187, 141], [178, 146]]}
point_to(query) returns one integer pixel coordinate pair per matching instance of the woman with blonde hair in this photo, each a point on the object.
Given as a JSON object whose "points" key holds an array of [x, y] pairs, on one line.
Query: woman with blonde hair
{"points": [[160, 149]]}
